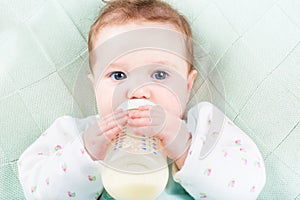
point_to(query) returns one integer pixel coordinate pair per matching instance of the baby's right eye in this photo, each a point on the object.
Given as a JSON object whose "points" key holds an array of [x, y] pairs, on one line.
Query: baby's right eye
{"points": [[118, 75]]}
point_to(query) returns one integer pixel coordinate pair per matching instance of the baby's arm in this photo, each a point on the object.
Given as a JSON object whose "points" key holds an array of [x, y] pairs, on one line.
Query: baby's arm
{"points": [[57, 166], [223, 162]]}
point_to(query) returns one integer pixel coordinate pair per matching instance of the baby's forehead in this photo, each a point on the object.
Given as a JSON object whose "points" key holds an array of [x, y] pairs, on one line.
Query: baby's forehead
{"points": [[147, 60], [148, 56], [133, 29], [163, 41]]}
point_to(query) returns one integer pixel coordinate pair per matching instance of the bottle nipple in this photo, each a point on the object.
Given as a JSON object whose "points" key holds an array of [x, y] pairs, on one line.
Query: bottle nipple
{"points": [[135, 104]]}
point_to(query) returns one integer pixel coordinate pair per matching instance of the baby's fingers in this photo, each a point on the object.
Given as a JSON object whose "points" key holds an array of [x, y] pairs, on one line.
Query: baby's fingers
{"points": [[139, 114], [145, 117], [147, 130], [112, 133], [147, 121], [115, 114], [117, 120], [97, 146]]}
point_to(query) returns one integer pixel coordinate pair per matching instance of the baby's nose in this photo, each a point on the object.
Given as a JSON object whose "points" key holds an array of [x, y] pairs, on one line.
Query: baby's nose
{"points": [[140, 92]]}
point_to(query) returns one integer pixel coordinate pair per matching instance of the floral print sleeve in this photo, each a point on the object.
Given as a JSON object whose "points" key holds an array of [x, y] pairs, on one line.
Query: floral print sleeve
{"points": [[223, 162], [56, 165]]}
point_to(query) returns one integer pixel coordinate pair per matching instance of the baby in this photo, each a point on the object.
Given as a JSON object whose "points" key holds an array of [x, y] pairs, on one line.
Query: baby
{"points": [[142, 49]]}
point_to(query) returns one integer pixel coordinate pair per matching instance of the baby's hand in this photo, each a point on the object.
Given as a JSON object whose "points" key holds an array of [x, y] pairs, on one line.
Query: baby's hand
{"points": [[170, 129], [98, 137], [147, 120]]}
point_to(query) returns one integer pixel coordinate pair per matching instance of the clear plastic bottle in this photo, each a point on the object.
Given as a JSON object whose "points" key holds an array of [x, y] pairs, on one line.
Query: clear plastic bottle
{"points": [[135, 167]]}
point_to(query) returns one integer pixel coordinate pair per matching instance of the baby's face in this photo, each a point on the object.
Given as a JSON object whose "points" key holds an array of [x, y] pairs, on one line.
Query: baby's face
{"points": [[155, 74]]}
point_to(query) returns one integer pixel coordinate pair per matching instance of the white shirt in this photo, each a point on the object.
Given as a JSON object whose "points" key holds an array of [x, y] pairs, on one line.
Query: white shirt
{"points": [[222, 162]]}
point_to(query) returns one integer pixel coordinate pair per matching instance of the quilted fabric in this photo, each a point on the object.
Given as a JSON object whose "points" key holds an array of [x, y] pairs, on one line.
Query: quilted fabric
{"points": [[248, 59]]}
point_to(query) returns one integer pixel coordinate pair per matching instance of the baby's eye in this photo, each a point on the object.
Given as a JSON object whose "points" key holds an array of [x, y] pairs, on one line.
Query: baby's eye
{"points": [[160, 75], [117, 75]]}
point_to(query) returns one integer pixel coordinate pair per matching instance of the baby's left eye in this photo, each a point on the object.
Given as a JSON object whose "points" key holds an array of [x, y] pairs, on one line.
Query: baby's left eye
{"points": [[160, 75]]}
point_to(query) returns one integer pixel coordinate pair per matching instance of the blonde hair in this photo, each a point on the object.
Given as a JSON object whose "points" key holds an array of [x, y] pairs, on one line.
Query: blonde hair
{"points": [[117, 12]]}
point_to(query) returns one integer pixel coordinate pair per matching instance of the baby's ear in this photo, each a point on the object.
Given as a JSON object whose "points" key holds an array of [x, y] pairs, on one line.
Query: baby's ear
{"points": [[191, 78], [91, 78]]}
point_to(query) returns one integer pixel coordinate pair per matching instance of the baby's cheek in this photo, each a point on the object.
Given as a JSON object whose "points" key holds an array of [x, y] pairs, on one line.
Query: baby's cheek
{"points": [[104, 101], [103, 107], [174, 108], [174, 99]]}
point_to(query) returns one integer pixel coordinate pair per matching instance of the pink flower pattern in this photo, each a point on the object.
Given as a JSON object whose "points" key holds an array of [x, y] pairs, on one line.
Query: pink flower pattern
{"points": [[252, 189], [71, 194], [91, 178], [47, 181], [231, 183], [33, 189], [64, 167], [207, 172], [203, 195]]}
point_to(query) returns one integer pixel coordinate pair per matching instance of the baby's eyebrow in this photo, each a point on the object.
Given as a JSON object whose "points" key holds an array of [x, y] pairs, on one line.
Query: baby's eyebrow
{"points": [[116, 65], [155, 62], [164, 63]]}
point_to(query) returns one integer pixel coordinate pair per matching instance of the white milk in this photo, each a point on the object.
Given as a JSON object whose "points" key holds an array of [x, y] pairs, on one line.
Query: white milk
{"points": [[125, 185]]}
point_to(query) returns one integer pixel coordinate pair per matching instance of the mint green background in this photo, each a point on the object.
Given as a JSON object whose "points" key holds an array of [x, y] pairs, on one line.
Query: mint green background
{"points": [[250, 70]]}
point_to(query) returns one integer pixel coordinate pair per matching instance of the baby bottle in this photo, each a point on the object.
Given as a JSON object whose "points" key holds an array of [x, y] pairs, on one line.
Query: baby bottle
{"points": [[135, 167]]}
